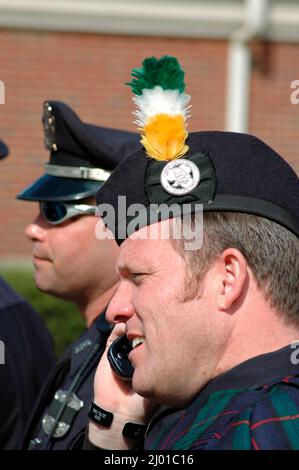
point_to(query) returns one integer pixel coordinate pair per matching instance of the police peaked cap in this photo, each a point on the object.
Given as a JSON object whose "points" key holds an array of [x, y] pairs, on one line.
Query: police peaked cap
{"points": [[82, 155], [3, 150], [237, 173]]}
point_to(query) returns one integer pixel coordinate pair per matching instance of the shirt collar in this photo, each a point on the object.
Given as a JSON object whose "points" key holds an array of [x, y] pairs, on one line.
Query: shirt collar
{"points": [[255, 372], [97, 333]]}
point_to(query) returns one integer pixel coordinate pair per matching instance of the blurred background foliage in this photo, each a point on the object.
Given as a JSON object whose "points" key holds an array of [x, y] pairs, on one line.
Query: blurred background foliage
{"points": [[62, 318]]}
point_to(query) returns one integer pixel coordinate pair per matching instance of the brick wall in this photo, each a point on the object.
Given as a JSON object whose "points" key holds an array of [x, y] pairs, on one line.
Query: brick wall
{"points": [[273, 117], [88, 72]]}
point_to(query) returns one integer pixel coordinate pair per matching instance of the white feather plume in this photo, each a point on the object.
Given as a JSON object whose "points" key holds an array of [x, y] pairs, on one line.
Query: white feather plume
{"points": [[156, 101]]}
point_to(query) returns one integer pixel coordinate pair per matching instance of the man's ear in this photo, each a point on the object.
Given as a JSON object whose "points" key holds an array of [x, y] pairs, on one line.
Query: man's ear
{"points": [[232, 270]]}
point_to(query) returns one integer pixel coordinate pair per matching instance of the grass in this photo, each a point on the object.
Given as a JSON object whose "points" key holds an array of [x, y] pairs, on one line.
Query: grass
{"points": [[62, 318]]}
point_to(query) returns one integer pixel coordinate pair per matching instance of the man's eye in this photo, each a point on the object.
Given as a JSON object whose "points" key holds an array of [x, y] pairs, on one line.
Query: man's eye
{"points": [[136, 277]]}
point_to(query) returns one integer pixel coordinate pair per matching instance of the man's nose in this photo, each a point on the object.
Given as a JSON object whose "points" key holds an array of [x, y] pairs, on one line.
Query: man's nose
{"points": [[35, 231], [120, 307]]}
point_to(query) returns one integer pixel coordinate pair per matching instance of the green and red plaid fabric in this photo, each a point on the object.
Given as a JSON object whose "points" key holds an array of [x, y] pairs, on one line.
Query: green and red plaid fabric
{"points": [[262, 413]]}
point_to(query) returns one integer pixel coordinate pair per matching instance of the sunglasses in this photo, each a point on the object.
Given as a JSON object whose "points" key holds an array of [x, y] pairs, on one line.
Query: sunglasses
{"points": [[56, 212]]}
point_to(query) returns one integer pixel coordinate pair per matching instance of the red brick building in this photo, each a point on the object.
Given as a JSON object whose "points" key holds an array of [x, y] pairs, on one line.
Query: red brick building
{"points": [[82, 53]]}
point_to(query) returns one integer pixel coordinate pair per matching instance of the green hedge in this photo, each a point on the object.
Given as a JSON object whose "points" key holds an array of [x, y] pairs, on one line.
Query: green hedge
{"points": [[62, 318]]}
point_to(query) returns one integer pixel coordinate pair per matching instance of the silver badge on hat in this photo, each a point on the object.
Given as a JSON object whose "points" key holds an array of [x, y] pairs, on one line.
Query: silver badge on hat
{"points": [[49, 127], [180, 177]]}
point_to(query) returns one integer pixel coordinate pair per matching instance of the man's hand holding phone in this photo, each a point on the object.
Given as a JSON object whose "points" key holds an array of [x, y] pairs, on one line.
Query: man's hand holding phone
{"points": [[118, 357], [117, 396]]}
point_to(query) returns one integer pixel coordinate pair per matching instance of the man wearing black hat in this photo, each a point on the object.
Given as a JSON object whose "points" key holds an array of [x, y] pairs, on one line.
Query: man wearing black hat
{"points": [[214, 329], [71, 263], [26, 357]]}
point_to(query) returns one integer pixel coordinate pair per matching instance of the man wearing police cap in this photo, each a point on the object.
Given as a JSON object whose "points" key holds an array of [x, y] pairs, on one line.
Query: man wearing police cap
{"points": [[71, 263], [213, 329], [26, 358]]}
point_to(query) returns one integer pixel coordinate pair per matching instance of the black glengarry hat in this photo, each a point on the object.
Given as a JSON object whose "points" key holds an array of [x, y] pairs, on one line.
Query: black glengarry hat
{"points": [[82, 156], [223, 171]]}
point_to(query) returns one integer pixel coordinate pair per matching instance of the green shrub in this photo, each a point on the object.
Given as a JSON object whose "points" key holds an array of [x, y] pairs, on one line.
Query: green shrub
{"points": [[61, 317]]}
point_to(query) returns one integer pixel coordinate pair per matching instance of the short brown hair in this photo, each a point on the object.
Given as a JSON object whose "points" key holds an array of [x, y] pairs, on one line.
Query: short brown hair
{"points": [[271, 251]]}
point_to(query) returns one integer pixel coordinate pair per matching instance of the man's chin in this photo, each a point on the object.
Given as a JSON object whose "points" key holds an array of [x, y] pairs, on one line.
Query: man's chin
{"points": [[43, 284], [54, 291], [142, 387], [42, 288], [161, 395]]}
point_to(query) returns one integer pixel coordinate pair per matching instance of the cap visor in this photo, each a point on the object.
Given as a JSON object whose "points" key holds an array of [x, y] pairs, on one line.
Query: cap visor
{"points": [[54, 188]]}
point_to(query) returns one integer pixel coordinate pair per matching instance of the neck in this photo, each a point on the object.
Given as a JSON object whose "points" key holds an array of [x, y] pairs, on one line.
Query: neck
{"points": [[259, 331], [92, 307]]}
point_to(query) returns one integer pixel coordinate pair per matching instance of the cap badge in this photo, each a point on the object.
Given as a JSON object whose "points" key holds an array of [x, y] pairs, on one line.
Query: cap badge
{"points": [[49, 127], [180, 177]]}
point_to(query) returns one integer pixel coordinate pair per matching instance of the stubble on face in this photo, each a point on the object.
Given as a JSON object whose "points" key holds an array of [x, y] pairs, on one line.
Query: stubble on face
{"points": [[167, 318], [74, 264]]}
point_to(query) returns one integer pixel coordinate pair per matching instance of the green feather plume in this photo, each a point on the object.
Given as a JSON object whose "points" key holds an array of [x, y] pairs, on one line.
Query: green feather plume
{"points": [[165, 72]]}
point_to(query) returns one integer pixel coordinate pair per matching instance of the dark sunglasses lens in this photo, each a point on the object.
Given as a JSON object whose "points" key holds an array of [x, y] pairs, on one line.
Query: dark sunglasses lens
{"points": [[53, 211]]}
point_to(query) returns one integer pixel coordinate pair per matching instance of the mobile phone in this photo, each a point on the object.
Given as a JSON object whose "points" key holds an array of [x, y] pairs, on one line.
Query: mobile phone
{"points": [[118, 358]]}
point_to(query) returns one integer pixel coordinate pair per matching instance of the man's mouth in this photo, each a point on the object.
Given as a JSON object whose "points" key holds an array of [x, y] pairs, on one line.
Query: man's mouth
{"points": [[137, 341], [39, 257]]}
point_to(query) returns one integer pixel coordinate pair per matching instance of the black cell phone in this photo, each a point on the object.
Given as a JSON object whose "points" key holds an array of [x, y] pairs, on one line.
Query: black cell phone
{"points": [[118, 358]]}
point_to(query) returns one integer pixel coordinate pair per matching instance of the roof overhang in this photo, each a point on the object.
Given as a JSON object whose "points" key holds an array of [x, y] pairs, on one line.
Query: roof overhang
{"points": [[200, 19]]}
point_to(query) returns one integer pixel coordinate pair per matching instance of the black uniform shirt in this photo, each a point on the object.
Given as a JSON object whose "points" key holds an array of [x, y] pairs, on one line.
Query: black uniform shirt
{"points": [[73, 373], [26, 357]]}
